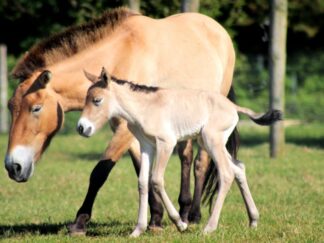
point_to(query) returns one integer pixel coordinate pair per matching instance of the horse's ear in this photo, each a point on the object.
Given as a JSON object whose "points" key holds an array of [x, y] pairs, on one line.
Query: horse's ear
{"points": [[91, 77], [104, 76], [43, 79]]}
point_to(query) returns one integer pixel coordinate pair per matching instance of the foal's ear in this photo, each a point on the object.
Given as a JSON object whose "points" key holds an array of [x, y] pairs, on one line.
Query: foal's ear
{"points": [[91, 77], [104, 76], [43, 79]]}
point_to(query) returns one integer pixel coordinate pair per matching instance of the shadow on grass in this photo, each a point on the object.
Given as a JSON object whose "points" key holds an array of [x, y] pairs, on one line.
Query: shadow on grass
{"points": [[111, 228], [39, 229], [254, 140]]}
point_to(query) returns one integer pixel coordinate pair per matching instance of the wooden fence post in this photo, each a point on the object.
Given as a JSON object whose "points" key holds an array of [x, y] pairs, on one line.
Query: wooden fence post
{"points": [[277, 70], [3, 89], [135, 5], [190, 6]]}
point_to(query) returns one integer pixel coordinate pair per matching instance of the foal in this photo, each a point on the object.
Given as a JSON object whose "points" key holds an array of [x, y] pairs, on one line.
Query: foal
{"points": [[159, 118]]}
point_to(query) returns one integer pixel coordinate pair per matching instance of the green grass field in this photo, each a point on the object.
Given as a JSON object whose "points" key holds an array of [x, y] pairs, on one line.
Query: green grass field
{"points": [[288, 192]]}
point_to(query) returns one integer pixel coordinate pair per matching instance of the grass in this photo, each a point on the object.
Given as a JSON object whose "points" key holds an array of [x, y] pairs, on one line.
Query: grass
{"points": [[288, 192]]}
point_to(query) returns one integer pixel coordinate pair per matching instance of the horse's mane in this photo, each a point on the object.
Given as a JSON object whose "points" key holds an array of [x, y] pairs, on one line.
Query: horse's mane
{"points": [[69, 42]]}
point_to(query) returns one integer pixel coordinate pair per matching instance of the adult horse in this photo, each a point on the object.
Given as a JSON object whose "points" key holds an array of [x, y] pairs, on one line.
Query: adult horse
{"points": [[165, 52]]}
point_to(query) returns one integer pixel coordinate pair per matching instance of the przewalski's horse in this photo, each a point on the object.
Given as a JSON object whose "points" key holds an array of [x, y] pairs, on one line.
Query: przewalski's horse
{"points": [[159, 118], [185, 50]]}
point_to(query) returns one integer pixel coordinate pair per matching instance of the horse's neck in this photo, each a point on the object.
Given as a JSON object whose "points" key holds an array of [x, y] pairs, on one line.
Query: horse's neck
{"points": [[70, 87], [69, 81]]}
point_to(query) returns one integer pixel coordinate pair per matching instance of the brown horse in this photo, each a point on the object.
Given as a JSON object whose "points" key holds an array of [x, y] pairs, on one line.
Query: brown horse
{"points": [[185, 50]]}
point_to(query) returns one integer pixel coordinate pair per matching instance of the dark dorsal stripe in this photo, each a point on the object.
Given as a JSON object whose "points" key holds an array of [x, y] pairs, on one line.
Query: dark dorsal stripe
{"points": [[69, 42], [135, 87]]}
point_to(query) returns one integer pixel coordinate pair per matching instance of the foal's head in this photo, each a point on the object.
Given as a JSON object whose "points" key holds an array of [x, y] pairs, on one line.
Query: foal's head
{"points": [[96, 109], [36, 116]]}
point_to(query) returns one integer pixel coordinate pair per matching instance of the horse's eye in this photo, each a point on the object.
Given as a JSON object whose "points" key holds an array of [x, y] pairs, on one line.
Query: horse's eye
{"points": [[36, 109], [97, 101]]}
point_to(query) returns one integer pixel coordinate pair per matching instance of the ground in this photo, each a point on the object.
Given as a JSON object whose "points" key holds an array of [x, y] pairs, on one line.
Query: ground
{"points": [[288, 192]]}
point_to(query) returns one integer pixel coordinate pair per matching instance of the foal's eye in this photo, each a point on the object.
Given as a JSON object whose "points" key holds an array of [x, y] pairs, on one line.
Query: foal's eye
{"points": [[36, 109], [97, 101]]}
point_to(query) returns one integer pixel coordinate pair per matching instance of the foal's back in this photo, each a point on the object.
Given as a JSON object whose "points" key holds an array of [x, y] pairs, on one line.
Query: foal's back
{"points": [[186, 112]]}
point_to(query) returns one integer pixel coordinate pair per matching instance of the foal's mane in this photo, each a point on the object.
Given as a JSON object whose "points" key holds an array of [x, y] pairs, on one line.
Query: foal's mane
{"points": [[65, 44], [135, 87]]}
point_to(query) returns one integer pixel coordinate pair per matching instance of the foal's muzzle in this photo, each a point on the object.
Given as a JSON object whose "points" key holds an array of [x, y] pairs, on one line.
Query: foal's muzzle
{"points": [[85, 127]]}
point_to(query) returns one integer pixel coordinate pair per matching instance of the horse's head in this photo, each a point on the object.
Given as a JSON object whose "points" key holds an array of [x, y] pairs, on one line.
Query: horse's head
{"points": [[96, 110], [36, 116]]}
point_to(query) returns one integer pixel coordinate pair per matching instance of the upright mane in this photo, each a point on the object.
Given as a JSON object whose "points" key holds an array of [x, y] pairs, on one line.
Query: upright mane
{"points": [[69, 42], [135, 87]]}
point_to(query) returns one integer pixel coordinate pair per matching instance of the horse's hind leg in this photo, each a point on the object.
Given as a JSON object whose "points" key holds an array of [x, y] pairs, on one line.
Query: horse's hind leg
{"points": [[185, 154], [201, 164], [240, 177]]}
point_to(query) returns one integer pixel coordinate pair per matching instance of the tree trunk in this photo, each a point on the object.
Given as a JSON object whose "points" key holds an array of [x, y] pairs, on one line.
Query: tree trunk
{"points": [[3, 89], [134, 5], [190, 6], [277, 69]]}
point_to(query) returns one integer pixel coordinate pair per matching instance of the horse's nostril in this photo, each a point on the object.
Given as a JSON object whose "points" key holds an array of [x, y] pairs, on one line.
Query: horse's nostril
{"points": [[80, 129], [16, 168]]}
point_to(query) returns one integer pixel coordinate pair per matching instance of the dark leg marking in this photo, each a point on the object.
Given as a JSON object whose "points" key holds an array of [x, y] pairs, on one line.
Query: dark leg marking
{"points": [[97, 178], [185, 152]]}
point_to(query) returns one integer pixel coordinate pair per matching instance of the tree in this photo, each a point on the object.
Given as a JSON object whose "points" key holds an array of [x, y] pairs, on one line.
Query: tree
{"points": [[277, 69]]}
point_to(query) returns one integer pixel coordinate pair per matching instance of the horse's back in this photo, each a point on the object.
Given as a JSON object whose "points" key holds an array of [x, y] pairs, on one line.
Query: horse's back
{"points": [[189, 50]]}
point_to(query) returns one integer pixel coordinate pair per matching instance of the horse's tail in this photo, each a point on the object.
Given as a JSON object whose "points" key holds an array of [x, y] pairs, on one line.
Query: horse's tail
{"points": [[265, 119], [210, 187]]}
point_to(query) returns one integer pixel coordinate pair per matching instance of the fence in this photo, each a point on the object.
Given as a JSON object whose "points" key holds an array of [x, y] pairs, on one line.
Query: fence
{"points": [[3, 89]]}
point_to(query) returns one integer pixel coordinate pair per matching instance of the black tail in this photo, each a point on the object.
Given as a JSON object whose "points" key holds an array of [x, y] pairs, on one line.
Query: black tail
{"points": [[211, 180], [268, 118]]}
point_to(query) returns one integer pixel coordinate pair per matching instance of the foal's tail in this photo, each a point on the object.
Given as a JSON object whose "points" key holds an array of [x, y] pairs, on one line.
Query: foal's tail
{"points": [[265, 119]]}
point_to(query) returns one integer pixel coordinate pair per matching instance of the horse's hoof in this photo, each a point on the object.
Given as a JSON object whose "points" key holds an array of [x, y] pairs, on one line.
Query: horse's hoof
{"points": [[79, 227], [194, 218], [75, 231]]}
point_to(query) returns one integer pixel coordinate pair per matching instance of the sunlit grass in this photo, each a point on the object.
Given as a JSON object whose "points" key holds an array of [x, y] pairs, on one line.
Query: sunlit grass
{"points": [[288, 192]]}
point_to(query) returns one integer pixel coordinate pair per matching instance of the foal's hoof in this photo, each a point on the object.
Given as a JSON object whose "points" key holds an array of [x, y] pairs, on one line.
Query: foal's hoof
{"points": [[182, 226], [208, 230], [137, 232], [79, 226], [253, 223]]}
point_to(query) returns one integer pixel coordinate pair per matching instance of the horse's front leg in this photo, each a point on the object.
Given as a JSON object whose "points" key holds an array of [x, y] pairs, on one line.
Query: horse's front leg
{"points": [[147, 155], [119, 144], [163, 152], [185, 152]]}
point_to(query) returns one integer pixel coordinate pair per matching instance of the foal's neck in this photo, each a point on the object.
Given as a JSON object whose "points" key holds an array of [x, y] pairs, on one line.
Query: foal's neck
{"points": [[130, 99]]}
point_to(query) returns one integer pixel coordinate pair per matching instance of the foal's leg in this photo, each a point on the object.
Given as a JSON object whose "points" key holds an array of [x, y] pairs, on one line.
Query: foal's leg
{"points": [[240, 177], [164, 150], [147, 155], [156, 207], [226, 177], [185, 154], [119, 144], [201, 163]]}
